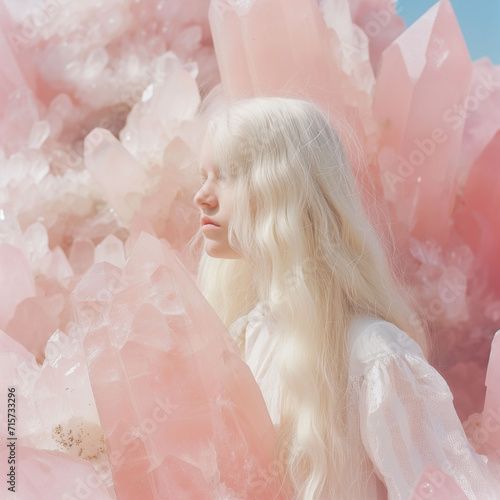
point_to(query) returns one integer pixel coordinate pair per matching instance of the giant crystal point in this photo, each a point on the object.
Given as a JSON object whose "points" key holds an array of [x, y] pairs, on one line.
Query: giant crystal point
{"points": [[302, 61], [424, 75], [182, 414], [297, 61]]}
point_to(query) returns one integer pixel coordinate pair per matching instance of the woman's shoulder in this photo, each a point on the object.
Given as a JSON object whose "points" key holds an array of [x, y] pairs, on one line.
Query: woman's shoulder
{"points": [[371, 339]]}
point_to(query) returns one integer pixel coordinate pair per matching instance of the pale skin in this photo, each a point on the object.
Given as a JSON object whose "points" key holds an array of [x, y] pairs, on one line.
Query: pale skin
{"points": [[215, 199]]}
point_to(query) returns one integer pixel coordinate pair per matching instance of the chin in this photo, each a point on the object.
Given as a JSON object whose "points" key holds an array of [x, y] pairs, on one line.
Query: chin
{"points": [[219, 252], [213, 251], [212, 254]]}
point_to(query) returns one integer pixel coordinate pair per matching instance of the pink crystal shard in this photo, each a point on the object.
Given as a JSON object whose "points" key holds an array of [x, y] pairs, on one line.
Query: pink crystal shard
{"points": [[434, 484], [33, 324], [11, 76], [116, 170], [56, 411], [16, 280], [490, 421], [250, 65], [380, 23], [182, 414], [306, 59], [480, 111], [481, 199], [423, 75]]}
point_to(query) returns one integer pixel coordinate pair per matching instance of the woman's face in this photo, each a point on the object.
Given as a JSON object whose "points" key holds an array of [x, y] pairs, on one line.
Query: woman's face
{"points": [[216, 201]]}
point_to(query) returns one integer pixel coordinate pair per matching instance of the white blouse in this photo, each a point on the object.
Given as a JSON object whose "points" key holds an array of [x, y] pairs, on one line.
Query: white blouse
{"points": [[401, 417]]}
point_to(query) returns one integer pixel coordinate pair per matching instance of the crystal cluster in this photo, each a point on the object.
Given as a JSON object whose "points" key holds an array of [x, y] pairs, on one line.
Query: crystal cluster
{"points": [[99, 140], [182, 414]]}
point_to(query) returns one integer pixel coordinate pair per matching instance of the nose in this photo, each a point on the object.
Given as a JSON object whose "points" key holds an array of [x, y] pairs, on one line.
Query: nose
{"points": [[205, 197]]}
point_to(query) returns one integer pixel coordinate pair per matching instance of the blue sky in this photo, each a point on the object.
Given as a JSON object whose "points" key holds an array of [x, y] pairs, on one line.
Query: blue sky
{"points": [[478, 19]]}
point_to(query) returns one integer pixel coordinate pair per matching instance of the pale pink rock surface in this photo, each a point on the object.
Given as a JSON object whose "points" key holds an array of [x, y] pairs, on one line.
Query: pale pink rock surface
{"points": [[47, 475], [180, 410], [423, 74]]}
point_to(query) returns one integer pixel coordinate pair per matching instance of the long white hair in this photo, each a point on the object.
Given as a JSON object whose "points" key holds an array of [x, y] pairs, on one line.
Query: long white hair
{"points": [[312, 257]]}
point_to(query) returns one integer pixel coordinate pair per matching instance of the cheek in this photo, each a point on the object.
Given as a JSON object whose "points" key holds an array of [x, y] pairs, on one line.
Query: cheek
{"points": [[228, 213], [229, 203]]}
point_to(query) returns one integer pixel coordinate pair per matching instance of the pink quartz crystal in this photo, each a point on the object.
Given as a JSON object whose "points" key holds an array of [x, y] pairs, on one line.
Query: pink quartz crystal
{"points": [[33, 324], [313, 55], [118, 173], [250, 65], [55, 411], [47, 475], [423, 74], [479, 113], [181, 412], [11, 75], [380, 22], [481, 200], [140, 70], [16, 281], [81, 255]]}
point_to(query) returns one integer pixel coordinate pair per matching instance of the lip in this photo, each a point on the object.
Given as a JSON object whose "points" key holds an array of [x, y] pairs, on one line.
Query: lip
{"points": [[209, 227], [206, 221]]}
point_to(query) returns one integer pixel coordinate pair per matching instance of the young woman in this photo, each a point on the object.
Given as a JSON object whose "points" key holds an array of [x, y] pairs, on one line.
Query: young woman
{"points": [[295, 271]]}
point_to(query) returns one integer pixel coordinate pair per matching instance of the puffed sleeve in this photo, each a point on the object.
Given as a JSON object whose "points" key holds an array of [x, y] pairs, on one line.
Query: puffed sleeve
{"points": [[407, 418]]}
